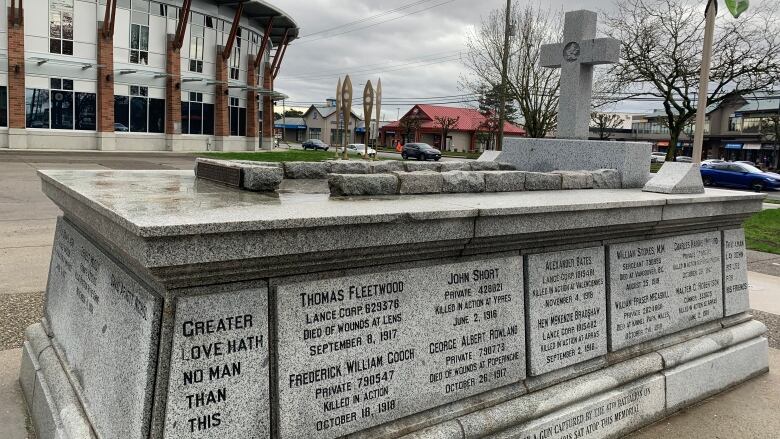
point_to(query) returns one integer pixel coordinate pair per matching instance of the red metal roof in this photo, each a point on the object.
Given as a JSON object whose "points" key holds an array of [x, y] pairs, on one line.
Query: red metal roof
{"points": [[469, 119]]}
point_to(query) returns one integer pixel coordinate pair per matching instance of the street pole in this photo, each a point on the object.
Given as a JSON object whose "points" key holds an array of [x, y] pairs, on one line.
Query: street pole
{"points": [[502, 91], [704, 78]]}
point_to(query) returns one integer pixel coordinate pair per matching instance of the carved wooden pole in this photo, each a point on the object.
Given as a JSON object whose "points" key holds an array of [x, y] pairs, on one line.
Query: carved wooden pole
{"points": [[378, 100], [346, 110], [368, 110], [337, 140]]}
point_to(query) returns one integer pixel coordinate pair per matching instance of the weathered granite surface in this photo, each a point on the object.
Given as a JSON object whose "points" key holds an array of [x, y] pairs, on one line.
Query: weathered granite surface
{"points": [[419, 182], [106, 323], [350, 167], [392, 343], [504, 181], [698, 379], [422, 166], [307, 170], [661, 286], [735, 282], [219, 373], [630, 159], [460, 182], [386, 166], [575, 179], [566, 308], [542, 181], [676, 178], [360, 184], [606, 179], [254, 176]]}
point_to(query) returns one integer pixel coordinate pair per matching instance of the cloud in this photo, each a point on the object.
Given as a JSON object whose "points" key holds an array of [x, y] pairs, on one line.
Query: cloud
{"points": [[415, 55]]}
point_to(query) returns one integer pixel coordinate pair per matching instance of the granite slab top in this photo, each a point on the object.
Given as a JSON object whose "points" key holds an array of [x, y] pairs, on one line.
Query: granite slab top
{"points": [[166, 203]]}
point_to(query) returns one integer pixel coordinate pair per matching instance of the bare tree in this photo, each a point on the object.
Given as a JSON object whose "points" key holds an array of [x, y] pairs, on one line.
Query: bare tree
{"points": [[533, 88], [604, 123], [770, 127], [661, 45], [409, 126], [445, 123]]}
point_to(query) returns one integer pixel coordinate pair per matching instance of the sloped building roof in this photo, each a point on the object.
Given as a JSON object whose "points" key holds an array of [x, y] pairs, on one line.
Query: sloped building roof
{"points": [[469, 119]]}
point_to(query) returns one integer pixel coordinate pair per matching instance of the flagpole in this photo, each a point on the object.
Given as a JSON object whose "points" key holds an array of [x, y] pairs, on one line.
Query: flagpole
{"points": [[706, 60]]}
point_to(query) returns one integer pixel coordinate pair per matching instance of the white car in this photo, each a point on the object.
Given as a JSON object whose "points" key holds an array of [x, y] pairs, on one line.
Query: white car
{"points": [[657, 157], [359, 149]]}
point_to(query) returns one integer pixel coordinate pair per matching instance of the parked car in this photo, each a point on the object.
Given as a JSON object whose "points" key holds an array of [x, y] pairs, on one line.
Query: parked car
{"points": [[420, 151], [657, 157], [120, 127], [315, 144], [708, 161], [359, 149], [739, 175], [683, 159], [746, 162]]}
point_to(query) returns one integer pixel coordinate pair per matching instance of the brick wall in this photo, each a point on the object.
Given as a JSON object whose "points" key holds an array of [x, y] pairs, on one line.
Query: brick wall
{"points": [[16, 108], [173, 88], [105, 82], [251, 98], [221, 122], [268, 104]]}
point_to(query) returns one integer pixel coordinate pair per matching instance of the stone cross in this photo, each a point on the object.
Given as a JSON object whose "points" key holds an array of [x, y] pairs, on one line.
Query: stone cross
{"points": [[576, 56]]}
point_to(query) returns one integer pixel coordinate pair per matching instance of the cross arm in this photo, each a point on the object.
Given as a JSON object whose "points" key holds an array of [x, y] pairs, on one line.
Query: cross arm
{"points": [[551, 55], [600, 51]]}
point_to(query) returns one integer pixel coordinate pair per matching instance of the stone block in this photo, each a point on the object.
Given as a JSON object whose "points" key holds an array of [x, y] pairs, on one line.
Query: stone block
{"points": [[542, 181], [262, 178], [575, 179], [359, 184], [566, 303], [350, 167], [608, 415], [606, 179], [706, 376], [412, 332], [698, 347], [661, 286], [306, 170], [477, 165], [420, 182], [454, 166], [259, 163], [386, 166], [735, 281], [219, 368], [462, 181], [676, 178], [630, 159], [504, 181], [422, 166], [107, 323], [504, 166]]}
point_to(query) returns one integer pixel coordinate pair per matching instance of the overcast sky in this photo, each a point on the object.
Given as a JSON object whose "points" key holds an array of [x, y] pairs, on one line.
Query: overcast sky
{"points": [[429, 35]]}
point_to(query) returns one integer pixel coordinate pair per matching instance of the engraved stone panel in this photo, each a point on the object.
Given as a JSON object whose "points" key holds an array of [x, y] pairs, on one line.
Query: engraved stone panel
{"points": [[358, 351], [735, 281], [566, 308], [661, 286], [611, 414], [107, 323], [219, 382]]}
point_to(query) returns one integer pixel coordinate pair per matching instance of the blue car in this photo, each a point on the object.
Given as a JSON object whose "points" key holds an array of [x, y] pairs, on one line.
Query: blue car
{"points": [[738, 175]]}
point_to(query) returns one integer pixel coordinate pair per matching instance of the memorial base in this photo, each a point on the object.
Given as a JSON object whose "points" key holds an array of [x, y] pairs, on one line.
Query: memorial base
{"points": [[639, 386]]}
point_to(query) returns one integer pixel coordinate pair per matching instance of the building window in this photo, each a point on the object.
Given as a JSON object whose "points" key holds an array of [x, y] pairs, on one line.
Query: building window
{"points": [[235, 61], [61, 27], [237, 116], [315, 133], [60, 108], [197, 117], [197, 34], [3, 107], [139, 32], [138, 113]]}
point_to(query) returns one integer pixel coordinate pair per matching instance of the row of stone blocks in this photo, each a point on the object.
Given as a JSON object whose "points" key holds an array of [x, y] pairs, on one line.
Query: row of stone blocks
{"points": [[397, 177], [641, 385]]}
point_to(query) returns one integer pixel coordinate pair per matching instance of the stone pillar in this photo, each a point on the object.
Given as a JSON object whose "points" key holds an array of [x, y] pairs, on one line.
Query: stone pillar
{"points": [[251, 104], [173, 95], [17, 137], [268, 110], [106, 138], [221, 121]]}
